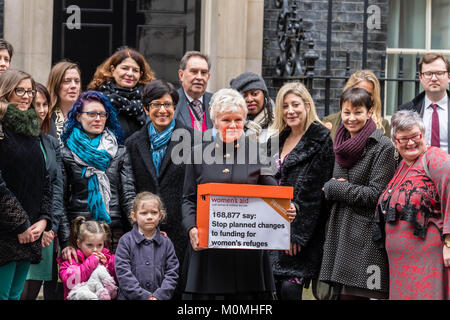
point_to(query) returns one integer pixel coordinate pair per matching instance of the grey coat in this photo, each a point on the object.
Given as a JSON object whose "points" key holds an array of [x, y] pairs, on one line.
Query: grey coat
{"points": [[145, 267], [350, 256]]}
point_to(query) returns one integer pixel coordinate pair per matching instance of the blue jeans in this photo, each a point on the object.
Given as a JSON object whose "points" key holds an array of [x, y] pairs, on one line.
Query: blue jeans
{"points": [[12, 279]]}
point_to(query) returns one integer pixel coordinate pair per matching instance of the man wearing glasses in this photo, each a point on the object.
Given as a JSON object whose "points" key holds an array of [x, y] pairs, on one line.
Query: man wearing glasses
{"points": [[433, 104]]}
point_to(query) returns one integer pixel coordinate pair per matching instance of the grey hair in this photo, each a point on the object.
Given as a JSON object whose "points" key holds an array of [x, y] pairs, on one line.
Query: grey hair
{"points": [[227, 100], [405, 120], [190, 54]]}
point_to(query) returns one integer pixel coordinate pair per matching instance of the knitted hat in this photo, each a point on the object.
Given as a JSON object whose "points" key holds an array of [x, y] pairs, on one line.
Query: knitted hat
{"points": [[248, 81]]}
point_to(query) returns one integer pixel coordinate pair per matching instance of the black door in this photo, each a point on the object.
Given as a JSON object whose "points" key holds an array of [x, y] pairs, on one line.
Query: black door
{"points": [[162, 30]]}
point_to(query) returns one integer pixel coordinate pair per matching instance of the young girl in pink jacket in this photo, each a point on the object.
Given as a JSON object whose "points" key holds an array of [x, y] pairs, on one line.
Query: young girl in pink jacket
{"points": [[89, 239]]}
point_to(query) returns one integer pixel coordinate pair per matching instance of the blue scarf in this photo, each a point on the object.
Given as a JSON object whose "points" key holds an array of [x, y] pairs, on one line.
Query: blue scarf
{"points": [[159, 142], [86, 149]]}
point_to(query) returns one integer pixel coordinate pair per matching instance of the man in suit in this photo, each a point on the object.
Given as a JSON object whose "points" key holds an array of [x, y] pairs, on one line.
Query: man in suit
{"points": [[434, 103], [192, 109]]}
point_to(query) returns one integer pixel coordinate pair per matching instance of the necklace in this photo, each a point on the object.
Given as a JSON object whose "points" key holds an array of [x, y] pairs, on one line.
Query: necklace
{"points": [[392, 187]]}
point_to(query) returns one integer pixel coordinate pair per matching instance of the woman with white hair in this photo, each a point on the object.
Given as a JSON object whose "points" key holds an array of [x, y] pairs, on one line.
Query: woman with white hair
{"points": [[413, 215], [225, 273]]}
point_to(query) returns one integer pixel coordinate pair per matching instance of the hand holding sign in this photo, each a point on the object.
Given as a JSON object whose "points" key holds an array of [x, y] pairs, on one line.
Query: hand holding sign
{"points": [[193, 237], [291, 212]]}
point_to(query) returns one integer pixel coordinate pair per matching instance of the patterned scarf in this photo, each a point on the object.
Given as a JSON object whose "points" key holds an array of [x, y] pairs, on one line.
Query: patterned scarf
{"points": [[159, 142], [125, 101], [349, 150], [95, 156]]}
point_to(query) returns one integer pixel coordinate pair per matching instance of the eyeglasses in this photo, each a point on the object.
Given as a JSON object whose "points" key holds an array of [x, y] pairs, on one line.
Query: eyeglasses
{"points": [[438, 74], [21, 92], [405, 140], [158, 105], [93, 115]]}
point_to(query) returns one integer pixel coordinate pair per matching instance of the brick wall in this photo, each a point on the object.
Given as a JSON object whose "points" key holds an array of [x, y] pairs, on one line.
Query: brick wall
{"points": [[347, 34]]}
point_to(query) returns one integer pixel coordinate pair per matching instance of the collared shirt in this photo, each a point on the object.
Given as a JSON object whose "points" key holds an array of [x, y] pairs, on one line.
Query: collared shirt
{"points": [[442, 111], [151, 238], [190, 99], [195, 123]]}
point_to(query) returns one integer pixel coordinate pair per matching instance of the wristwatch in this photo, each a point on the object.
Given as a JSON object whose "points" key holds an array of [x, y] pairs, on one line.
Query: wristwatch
{"points": [[447, 243]]}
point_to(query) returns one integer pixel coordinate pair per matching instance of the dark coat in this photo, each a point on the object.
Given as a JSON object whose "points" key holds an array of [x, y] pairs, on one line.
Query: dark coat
{"points": [[25, 195], [307, 167], [168, 185], [349, 252], [418, 105], [182, 114], [222, 271], [53, 164], [121, 180], [145, 267]]}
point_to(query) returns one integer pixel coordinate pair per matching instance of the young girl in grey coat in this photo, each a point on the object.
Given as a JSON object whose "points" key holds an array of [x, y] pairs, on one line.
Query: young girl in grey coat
{"points": [[146, 265]]}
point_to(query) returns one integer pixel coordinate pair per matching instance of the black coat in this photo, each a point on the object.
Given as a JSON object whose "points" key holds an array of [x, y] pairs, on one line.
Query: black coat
{"points": [[25, 195], [53, 164], [182, 114], [224, 271], [168, 185], [121, 182], [307, 167]]}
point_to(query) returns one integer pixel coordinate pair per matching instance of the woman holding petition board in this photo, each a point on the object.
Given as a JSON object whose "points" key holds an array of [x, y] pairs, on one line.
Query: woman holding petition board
{"points": [[225, 273]]}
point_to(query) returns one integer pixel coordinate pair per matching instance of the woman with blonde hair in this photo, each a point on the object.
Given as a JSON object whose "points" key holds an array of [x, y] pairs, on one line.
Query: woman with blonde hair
{"points": [[64, 86], [23, 168], [121, 79], [365, 79], [305, 161]]}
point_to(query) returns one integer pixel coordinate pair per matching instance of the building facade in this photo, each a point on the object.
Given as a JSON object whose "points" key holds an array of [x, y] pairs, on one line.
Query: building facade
{"points": [[333, 38]]}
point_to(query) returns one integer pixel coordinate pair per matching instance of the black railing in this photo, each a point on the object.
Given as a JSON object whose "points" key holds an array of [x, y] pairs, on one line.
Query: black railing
{"points": [[293, 65]]}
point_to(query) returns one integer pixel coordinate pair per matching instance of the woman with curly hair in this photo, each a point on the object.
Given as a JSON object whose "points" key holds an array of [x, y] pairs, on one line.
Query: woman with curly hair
{"points": [[121, 78], [98, 180]]}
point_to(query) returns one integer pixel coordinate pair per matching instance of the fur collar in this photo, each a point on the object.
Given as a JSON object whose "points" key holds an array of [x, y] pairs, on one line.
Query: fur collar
{"points": [[311, 142], [21, 122]]}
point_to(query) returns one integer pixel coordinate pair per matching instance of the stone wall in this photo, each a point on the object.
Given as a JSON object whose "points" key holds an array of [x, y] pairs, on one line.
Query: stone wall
{"points": [[2, 5], [347, 34]]}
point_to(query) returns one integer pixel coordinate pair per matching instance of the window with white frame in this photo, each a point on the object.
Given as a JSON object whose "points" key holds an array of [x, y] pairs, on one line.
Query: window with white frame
{"points": [[415, 27]]}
